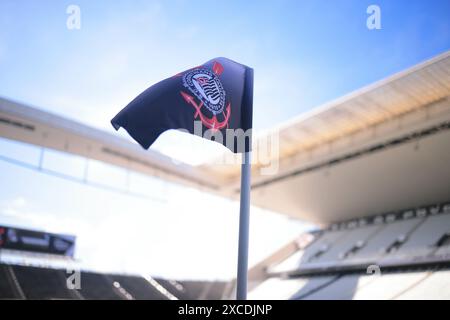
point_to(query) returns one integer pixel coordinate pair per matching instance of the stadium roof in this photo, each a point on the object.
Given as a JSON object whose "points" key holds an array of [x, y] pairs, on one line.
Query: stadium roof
{"points": [[360, 110], [27, 124], [383, 147]]}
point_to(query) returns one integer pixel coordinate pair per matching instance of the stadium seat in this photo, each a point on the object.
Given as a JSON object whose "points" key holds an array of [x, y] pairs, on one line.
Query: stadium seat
{"points": [[98, 287], [216, 291], [386, 238], [7, 287], [321, 245], [332, 267], [42, 283], [424, 240], [188, 290], [26, 282], [138, 287], [354, 240]]}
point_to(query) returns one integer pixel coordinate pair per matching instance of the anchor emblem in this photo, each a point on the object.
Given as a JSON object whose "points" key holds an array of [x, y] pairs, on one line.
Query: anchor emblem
{"points": [[207, 88]]}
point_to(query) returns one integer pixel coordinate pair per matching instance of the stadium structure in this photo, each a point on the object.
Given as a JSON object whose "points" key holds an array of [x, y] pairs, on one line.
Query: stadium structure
{"points": [[370, 169]]}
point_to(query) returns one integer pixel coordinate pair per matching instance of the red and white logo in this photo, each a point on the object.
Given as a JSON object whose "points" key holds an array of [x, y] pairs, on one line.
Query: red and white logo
{"points": [[208, 93]]}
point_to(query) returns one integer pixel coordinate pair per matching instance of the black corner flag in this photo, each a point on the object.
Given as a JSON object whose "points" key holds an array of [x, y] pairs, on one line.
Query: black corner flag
{"points": [[216, 97], [214, 94]]}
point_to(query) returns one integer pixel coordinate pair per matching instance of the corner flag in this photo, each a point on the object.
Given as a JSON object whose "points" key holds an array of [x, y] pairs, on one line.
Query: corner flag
{"points": [[219, 96], [215, 94]]}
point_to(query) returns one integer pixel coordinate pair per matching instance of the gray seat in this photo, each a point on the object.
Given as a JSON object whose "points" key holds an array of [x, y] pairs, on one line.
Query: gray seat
{"points": [[376, 247], [322, 244], [354, 238], [424, 239]]}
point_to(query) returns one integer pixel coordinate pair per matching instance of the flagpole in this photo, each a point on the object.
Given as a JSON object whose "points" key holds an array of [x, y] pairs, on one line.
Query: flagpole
{"points": [[244, 225]]}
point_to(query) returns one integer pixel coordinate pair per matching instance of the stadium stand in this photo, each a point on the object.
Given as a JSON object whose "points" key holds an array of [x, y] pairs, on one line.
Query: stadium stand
{"points": [[216, 290], [408, 248], [347, 244], [387, 239], [30, 282], [98, 286], [426, 238], [176, 288], [322, 245], [138, 287], [39, 283], [194, 290], [8, 288]]}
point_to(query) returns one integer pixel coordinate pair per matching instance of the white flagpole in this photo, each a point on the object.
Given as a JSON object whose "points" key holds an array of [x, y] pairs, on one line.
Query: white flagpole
{"points": [[244, 224]]}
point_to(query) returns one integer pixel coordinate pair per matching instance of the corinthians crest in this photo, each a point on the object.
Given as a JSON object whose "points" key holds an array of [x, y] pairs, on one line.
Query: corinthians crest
{"points": [[207, 88]]}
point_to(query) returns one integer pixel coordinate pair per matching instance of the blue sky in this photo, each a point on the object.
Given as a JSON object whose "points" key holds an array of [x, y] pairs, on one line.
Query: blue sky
{"points": [[304, 53]]}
